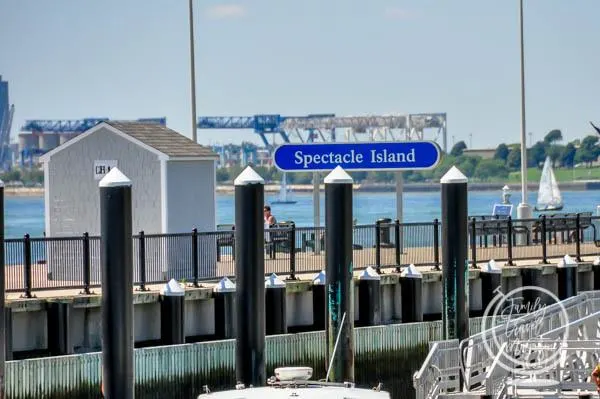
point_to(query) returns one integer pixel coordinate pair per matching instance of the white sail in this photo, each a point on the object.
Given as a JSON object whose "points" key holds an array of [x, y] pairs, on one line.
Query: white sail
{"points": [[549, 195]]}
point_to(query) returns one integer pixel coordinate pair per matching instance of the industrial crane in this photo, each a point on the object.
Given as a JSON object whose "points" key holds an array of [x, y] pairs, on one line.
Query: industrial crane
{"points": [[73, 126]]}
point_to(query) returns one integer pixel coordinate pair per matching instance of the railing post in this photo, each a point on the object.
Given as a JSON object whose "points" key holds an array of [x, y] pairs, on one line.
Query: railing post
{"points": [[195, 259], [378, 246], [397, 228], [436, 244], [86, 265], [509, 239], [544, 249], [142, 260], [27, 266], [473, 243], [578, 237], [292, 243]]}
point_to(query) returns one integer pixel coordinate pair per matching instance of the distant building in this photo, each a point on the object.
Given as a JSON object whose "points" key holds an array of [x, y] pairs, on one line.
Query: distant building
{"points": [[173, 184], [483, 153]]}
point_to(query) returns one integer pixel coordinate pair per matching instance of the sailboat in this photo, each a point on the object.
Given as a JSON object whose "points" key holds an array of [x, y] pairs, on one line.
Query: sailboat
{"points": [[284, 192], [549, 196]]}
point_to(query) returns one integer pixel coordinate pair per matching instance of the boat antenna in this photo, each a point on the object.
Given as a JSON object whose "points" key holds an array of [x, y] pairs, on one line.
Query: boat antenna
{"points": [[337, 340]]}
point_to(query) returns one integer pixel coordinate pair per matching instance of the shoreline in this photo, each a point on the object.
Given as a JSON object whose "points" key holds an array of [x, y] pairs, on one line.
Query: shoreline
{"points": [[359, 187]]}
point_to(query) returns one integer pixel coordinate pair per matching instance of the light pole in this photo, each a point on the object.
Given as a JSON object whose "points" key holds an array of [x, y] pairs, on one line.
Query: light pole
{"points": [[193, 73], [524, 211]]}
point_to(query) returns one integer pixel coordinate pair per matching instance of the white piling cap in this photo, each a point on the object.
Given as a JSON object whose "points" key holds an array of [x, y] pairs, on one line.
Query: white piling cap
{"points": [[338, 176], [319, 278], [597, 261], [1, 183], [369, 274], [114, 178], [506, 188], [173, 288], [567, 261], [411, 272], [454, 175], [274, 282], [491, 267], [225, 285], [248, 176]]}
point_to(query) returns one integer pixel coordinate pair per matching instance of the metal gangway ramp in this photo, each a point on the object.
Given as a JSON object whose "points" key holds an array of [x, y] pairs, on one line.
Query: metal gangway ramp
{"points": [[507, 359]]}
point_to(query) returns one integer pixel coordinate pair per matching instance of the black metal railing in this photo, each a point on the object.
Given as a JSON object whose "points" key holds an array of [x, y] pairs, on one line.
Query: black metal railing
{"points": [[34, 264]]}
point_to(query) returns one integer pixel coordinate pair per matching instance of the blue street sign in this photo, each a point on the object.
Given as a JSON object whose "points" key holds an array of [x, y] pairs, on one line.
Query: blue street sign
{"points": [[322, 157]]}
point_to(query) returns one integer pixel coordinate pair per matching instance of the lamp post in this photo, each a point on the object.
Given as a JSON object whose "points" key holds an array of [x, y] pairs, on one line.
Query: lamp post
{"points": [[192, 72], [524, 210]]}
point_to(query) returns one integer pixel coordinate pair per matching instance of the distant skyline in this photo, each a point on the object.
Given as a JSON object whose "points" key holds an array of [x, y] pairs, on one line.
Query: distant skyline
{"points": [[126, 60]]}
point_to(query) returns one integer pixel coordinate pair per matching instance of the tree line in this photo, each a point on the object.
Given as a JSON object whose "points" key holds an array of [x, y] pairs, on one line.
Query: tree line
{"points": [[506, 159]]}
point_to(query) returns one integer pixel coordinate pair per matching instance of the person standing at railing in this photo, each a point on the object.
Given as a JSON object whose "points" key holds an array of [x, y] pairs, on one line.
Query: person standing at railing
{"points": [[269, 218], [596, 377]]}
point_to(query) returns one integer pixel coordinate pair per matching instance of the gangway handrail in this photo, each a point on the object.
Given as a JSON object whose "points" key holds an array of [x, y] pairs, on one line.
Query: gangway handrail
{"points": [[475, 362]]}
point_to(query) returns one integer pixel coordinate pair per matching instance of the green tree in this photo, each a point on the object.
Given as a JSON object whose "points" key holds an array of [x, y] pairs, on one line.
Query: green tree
{"points": [[491, 168], [458, 149], [222, 175], [537, 154], [555, 151], [588, 151], [514, 158], [567, 156], [502, 152], [553, 136]]}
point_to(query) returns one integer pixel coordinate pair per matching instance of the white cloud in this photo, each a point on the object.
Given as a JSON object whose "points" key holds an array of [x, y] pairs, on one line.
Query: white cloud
{"points": [[223, 11], [398, 13]]}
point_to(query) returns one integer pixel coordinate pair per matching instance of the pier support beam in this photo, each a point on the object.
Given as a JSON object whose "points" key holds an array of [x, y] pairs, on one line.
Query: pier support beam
{"points": [[59, 329], [339, 273], [116, 253], [224, 294], [491, 279], [319, 302], [455, 269], [250, 279], [369, 298], [567, 277], [276, 321], [411, 288], [172, 314]]}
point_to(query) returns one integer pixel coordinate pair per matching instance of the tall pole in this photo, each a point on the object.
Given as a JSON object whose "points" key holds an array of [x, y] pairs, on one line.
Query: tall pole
{"points": [[193, 73], [250, 279], [116, 254], [339, 276], [523, 210]]}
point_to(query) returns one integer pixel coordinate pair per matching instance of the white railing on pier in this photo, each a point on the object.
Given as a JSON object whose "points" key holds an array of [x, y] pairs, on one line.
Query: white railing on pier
{"points": [[475, 357], [575, 360]]}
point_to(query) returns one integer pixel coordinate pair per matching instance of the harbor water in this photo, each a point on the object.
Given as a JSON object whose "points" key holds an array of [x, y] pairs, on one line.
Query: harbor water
{"points": [[25, 215]]}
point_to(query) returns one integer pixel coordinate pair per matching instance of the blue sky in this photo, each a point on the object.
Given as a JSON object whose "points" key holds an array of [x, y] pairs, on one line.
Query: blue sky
{"points": [[129, 59]]}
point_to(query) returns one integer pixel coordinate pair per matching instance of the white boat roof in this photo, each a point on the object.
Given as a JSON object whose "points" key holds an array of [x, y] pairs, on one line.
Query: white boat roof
{"points": [[298, 393]]}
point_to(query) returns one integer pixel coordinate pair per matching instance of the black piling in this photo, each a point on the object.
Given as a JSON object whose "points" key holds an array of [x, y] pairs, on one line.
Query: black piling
{"points": [[116, 255], [58, 315], [455, 268], [3, 312], [532, 277], [491, 279], [596, 271], [319, 302], [339, 276], [172, 314], [411, 289], [275, 318], [250, 280], [567, 278], [369, 298], [224, 294]]}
